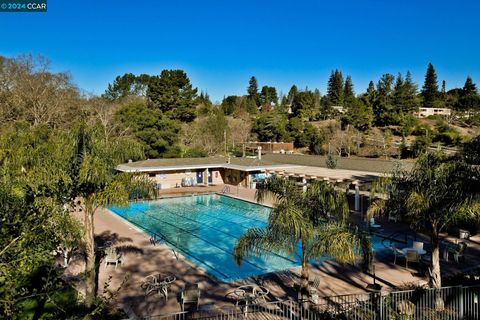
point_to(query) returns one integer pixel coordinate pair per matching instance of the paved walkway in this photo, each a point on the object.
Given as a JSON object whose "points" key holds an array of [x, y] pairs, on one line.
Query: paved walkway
{"points": [[141, 258]]}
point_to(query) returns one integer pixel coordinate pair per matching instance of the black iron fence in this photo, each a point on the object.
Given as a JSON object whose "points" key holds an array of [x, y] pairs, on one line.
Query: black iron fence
{"points": [[447, 303]]}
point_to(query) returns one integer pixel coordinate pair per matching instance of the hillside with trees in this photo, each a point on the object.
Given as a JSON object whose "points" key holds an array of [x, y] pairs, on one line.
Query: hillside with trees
{"points": [[59, 148]]}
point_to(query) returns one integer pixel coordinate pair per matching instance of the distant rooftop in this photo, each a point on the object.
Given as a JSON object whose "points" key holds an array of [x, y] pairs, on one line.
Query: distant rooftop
{"points": [[268, 161], [360, 164], [245, 164]]}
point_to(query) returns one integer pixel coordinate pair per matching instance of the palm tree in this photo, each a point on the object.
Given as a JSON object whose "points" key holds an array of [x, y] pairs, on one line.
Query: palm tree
{"points": [[97, 184], [314, 221], [439, 192]]}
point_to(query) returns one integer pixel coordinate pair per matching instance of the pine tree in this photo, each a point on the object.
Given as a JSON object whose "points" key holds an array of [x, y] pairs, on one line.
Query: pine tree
{"points": [[383, 103], [469, 87], [292, 93], [268, 95], [371, 89], [252, 89], [318, 98], [430, 87], [348, 92], [173, 94], [405, 95], [444, 90], [469, 99], [335, 88]]}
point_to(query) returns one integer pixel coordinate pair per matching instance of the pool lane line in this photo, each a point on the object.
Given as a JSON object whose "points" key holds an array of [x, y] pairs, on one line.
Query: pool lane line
{"points": [[217, 208], [177, 247], [242, 208], [225, 220], [214, 206], [206, 241], [198, 237], [226, 233]]}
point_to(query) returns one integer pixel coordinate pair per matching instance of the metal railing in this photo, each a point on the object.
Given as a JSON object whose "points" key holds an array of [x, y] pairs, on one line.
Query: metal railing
{"points": [[226, 189], [447, 303]]}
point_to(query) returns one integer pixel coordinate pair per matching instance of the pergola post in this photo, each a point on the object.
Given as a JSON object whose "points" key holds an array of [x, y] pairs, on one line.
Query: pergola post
{"points": [[357, 196]]}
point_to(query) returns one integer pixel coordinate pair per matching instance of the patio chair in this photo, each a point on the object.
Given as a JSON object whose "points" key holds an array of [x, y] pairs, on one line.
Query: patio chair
{"points": [[313, 289], [459, 251], [448, 247], [393, 218], [397, 253], [190, 295], [463, 234], [112, 256], [315, 283], [412, 256], [417, 245]]}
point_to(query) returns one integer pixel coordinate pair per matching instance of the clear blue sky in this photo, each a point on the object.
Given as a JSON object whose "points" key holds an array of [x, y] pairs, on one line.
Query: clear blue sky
{"points": [[220, 44]]}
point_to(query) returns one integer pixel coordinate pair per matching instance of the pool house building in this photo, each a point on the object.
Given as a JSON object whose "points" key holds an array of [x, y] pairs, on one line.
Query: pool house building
{"points": [[352, 175]]}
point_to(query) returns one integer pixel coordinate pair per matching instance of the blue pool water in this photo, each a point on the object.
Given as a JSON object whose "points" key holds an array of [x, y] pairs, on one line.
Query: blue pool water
{"points": [[204, 228]]}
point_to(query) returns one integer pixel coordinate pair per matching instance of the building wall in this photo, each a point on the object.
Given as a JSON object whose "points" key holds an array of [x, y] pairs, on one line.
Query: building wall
{"points": [[171, 179], [425, 112]]}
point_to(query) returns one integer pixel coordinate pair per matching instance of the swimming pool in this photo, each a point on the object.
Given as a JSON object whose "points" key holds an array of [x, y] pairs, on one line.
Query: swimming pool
{"points": [[204, 228]]}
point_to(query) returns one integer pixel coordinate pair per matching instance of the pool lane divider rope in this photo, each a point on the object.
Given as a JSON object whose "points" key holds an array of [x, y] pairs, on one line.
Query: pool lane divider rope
{"points": [[226, 233], [207, 241], [187, 253], [218, 218], [233, 213]]}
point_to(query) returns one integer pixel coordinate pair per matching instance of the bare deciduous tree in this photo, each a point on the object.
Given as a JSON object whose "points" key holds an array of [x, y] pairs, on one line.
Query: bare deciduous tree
{"points": [[30, 91]]}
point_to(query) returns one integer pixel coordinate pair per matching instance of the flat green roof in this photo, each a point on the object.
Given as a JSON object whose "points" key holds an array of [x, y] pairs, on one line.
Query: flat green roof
{"points": [[268, 161]]}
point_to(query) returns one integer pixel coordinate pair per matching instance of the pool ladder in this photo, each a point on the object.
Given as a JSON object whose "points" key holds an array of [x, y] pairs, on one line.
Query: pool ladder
{"points": [[154, 241], [226, 189]]}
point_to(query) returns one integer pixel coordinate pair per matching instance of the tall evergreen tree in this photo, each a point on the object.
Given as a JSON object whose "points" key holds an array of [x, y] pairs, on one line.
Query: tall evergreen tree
{"points": [[430, 87], [303, 105], [127, 85], [469, 87], [371, 90], [444, 90], [173, 94], [252, 91], [268, 95], [335, 88], [292, 93], [359, 114], [405, 95], [348, 92], [469, 99], [383, 103]]}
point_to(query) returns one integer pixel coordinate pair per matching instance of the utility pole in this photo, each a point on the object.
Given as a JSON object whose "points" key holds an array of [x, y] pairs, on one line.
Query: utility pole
{"points": [[225, 140]]}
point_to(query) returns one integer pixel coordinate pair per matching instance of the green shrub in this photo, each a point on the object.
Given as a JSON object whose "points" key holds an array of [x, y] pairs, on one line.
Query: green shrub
{"points": [[420, 145], [194, 153], [331, 161]]}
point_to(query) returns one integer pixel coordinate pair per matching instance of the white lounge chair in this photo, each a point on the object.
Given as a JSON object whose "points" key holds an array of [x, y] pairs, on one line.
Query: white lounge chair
{"points": [[112, 256], [190, 296], [373, 224], [398, 253], [458, 251], [393, 218], [417, 245], [412, 256]]}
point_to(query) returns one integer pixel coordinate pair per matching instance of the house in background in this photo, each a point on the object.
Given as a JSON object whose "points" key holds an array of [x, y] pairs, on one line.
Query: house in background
{"points": [[425, 112]]}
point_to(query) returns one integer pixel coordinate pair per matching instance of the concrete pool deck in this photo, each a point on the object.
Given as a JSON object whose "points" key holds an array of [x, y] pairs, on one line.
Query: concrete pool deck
{"points": [[141, 258]]}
